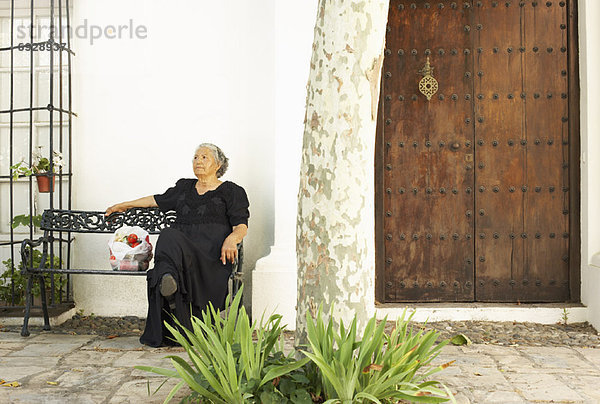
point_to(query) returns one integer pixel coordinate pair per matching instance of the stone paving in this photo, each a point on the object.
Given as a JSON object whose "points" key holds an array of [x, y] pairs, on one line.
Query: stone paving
{"points": [[60, 368]]}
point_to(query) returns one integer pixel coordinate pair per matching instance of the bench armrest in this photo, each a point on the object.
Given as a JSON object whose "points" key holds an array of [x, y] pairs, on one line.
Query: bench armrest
{"points": [[27, 246]]}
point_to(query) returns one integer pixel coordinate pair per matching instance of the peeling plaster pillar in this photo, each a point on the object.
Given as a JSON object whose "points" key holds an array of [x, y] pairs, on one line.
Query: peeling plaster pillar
{"points": [[275, 277], [335, 227]]}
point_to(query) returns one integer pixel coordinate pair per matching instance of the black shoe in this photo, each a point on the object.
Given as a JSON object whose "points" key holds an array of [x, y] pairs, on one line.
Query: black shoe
{"points": [[168, 285]]}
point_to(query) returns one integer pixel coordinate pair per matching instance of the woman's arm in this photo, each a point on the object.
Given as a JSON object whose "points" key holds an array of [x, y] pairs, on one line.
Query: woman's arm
{"points": [[229, 249], [145, 202]]}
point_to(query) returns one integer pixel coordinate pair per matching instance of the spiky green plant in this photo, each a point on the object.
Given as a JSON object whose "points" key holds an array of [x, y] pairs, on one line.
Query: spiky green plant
{"points": [[378, 368], [230, 358]]}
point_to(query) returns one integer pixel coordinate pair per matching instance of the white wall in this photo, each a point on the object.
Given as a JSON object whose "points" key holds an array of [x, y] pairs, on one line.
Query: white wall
{"points": [[204, 73], [589, 38], [293, 38]]}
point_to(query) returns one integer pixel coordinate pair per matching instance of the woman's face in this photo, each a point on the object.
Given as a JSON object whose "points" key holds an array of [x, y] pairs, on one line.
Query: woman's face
{"points": [[204, 163]]}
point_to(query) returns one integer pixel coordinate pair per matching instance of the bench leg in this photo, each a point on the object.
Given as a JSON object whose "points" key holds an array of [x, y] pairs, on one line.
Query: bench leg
{"points": [[44, 304], [28, 297], [235, 286]]}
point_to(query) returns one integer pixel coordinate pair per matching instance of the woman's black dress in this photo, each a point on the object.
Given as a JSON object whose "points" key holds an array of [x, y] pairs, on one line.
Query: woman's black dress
{"points": [[190, 250]]}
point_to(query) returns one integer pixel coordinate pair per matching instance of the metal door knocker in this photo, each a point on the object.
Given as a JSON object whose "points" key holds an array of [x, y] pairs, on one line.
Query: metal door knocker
{"points": [[428, 85]]}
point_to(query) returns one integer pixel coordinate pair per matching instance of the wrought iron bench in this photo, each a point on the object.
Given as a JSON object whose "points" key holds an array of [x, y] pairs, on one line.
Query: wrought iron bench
{"points": [[75, 221]]}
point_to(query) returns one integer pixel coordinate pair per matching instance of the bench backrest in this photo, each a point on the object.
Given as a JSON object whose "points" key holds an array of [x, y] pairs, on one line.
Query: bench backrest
{"points": [[150, 219]]}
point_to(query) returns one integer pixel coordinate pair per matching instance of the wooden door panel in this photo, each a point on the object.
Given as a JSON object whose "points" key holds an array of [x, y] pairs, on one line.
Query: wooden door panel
{"points": [[428, 187], [520, 262], [500, 159], [547, 134], [476, 185]]}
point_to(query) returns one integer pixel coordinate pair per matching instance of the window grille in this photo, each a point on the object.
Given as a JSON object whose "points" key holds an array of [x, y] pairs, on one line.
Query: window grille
{"points": [[35, 110]]}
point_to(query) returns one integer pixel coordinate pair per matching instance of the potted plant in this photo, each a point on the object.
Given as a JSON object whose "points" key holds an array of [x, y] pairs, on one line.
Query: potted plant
{"points": [[40, 168], [13, 283]]}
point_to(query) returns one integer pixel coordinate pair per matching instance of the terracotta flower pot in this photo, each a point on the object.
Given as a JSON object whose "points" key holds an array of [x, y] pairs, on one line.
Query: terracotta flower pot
{"points": [[45, 182]]}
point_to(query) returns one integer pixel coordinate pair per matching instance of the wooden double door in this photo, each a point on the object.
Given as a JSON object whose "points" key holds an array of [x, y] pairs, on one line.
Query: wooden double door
{"points": [[477, 153]]}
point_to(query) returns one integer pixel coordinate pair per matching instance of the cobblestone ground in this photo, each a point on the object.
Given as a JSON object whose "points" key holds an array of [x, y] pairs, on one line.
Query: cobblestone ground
{"points": [[508, 363]]}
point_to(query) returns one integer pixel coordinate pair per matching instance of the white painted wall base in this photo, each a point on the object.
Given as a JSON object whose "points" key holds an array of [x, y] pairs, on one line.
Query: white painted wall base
{"points": [[485, 312], [274, 286], [39, 321], [596, 261], [591, 289], [120, 296]]}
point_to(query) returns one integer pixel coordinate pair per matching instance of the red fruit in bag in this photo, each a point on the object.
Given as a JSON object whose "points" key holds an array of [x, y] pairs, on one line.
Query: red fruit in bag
{"points": [[132, 239]]}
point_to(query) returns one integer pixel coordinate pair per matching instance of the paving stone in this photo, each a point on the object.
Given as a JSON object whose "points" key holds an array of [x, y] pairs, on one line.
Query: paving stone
{"points": [[90, 369], [129, 358], [488, 349], [462, 398], [42, 350], [91, 357], [558, 360], [46, 361], [136, 391], [591, 355], [136, 358], [170, 350], [119, 343], [587, 386], [18, 373], [468, 360], [58, 396], [515, 363], [479, 378], [10, 337], [543, 387], [96, 377], [452, 370], [450, 349], [48, 338], [40, 380], [12, 346], [495, 397], [546, 350]]}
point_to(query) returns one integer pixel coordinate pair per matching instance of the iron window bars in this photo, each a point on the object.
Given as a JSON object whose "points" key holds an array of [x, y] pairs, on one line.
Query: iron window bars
{"points": [[58, 48]]}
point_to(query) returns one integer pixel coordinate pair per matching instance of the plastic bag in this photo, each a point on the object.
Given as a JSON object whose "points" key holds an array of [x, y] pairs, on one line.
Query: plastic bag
{"points": [[130, 249]]}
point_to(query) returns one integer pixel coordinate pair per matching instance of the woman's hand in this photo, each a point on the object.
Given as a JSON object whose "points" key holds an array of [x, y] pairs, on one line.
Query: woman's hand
{"points": [[145, 202], [229, 249], [119, 207]]}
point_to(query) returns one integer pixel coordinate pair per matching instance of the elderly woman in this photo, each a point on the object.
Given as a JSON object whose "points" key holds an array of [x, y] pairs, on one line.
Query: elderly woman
{"points": [[193, 257]]}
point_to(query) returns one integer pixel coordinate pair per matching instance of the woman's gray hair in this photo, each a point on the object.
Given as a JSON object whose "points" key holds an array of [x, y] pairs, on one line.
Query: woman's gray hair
{"points": [[220, 157]]}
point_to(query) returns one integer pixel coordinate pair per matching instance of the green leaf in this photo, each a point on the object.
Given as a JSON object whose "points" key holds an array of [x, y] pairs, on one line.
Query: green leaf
{"points": [[301, 397], [300, 378], [369, 397], [158, 371], [282, 370], [271, 397], [183, 372], [460, 339], [174, 391]]}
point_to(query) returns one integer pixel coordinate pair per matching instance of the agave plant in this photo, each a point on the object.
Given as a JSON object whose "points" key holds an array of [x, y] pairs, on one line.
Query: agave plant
{"points": [[378, 367], [231, 360]]}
